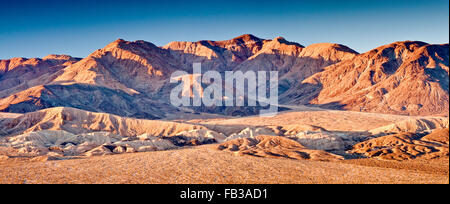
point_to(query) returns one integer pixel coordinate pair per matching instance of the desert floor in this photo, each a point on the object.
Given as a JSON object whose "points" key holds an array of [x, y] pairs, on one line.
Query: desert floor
{"points": [[205, 164]]}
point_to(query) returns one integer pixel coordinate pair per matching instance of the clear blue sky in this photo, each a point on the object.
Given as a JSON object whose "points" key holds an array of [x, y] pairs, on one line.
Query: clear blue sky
{"points": [[38, 28]]}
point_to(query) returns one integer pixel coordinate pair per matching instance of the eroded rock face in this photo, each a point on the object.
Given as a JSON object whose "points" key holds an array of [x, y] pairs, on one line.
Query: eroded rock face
{"points": [[405, 146], [275, 147]]}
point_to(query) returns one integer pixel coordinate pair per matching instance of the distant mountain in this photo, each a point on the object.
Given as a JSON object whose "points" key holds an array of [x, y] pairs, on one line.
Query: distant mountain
{"points": [[409, 78], [132, 78], [19, 74]]}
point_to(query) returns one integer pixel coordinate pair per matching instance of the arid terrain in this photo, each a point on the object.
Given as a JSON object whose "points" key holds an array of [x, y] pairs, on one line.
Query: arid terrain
{"points": [[345, 117]]}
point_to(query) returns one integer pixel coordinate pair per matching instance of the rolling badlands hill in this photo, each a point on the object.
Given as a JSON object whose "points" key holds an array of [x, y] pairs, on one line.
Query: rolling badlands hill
{"points": [[132, 78]]}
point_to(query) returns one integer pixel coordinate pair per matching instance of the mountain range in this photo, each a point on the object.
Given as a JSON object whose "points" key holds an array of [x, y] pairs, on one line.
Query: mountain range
{"points": [[131, 79]]}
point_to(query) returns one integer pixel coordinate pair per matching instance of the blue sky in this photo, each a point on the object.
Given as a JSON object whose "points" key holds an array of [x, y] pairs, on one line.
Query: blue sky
{"points": [[38, 28]]}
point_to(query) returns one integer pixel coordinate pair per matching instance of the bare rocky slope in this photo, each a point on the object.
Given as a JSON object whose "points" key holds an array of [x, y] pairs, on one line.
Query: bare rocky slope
{"points": [[409, 78]]}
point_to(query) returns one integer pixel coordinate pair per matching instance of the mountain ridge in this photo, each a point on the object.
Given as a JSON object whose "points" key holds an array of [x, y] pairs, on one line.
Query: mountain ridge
{"points": [[323, 74], [406, 70]]}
